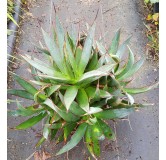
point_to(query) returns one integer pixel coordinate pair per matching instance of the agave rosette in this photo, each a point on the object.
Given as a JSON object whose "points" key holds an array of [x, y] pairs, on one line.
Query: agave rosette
{"points": [[81, 86]]}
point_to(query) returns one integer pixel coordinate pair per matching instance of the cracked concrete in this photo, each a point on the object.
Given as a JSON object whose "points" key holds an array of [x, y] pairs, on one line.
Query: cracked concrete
{"points": [[137, 141]]}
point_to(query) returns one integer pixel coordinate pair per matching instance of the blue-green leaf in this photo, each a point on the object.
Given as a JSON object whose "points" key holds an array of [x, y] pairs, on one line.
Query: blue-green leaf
{"points": [[133, 69], [114, 113], [55, 52], [85, 56], [41, 66], [115, 43], [60, 35], [140, 90], [70, 55], [122, 48], [128, 65]]}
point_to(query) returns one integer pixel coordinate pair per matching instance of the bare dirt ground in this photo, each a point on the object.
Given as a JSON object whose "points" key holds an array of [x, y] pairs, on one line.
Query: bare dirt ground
{"points": [[137, 140]]}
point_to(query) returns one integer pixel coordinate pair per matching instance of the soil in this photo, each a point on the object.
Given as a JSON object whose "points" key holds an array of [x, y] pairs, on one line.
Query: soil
{"points": [[137, 137]]}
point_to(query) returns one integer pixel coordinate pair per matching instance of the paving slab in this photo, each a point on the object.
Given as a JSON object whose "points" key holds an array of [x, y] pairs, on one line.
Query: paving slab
{"points": [[137, 139]]}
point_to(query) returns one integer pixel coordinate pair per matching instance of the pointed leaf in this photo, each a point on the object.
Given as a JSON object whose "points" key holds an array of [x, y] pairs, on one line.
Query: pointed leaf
{"points": [[133, 70], [74, 34], [92, 74], [101, 48], [69, 69], [114, 113], [122, 48], [45, 51], [40, 142], [101, 61], [70, 95], [54, 51], [96, 132], [125, 83], [86, 51], [108, 132], [68, 129], [69, 117], [70, 55], [20, 93], [34, 73], [82, 100], [140, 90], [42, 63], [72, 42], [31, 122], [78, 55], [102, 71], [28, 111], [76, 110], [90, 92], [131, 99], [46, 130], [52, 89], [128, 66], [56, 78], [93, 62], [12, 19], [54, 126], [43, 67], [115, 43], [88, 140], [60, 35], [105, 94], [40, 83], [26, 85], [103, 52], [75, 139], [93, 110], [55, 118]]}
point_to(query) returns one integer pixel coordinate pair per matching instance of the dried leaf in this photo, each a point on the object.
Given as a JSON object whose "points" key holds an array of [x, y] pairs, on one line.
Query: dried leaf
{"points": [[29, 14], [45, 155], [156, 23], [41, 156], [37, 156], [155, 16], [149, 17]]}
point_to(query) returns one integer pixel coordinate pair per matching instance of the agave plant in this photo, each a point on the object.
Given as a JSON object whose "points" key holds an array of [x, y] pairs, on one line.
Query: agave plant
{"points": [[82, 85]]}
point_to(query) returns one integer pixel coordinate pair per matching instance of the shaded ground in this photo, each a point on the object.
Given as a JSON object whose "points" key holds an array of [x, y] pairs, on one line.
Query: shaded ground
{"points": [[138, 143]]}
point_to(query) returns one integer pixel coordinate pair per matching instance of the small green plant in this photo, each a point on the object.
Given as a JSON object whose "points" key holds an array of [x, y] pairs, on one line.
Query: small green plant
{"points": [[153, 36], [152, 32], [10, 11], [82, 85]]}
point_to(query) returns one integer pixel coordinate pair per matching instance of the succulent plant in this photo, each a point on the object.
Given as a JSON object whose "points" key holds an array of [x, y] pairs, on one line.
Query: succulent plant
{"points": [[82, 85]]}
